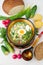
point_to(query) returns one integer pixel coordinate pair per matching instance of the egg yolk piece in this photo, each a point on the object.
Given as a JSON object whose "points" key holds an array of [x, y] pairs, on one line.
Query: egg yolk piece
{"points": [[21, 31]]}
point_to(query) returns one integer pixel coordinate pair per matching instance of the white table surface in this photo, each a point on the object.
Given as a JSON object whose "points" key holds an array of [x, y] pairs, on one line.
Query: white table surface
{"points": [[7, 60]]}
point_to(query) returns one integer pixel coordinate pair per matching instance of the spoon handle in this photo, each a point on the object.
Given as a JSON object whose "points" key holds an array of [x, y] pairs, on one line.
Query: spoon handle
{"points": [[35, 42], [37, 39]]}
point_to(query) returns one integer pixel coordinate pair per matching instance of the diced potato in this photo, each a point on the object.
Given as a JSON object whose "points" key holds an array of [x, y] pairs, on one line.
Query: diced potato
{"points": [[37, 17], [42, 23], [38, 24]]}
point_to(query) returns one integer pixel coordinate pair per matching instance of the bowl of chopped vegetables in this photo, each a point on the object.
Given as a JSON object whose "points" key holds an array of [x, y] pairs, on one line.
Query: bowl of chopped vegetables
{"points": [[21, 33]]}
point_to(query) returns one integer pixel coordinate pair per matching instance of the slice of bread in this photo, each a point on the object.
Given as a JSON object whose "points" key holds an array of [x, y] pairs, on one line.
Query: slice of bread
{"points": [[39, 51], [12, 7]]}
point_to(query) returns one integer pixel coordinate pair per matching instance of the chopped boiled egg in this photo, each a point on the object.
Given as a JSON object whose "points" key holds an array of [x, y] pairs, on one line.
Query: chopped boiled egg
{"points": [[28, 27], [22, 31]]}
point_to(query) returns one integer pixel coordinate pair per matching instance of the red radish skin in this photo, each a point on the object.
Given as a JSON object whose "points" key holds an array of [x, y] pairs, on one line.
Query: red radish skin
{"points": [[19, 56], [6, 22], [40, 34], [14, 56]]}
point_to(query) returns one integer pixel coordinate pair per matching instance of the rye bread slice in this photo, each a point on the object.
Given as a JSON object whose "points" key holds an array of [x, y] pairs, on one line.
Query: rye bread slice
{"points": [[39, 51]]}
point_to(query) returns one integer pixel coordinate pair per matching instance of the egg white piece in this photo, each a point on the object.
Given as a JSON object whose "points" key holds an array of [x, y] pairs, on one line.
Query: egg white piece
{"points": [[28, 27]]}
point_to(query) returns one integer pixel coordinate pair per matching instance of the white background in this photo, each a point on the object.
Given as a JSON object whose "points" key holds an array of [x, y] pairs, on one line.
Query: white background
{"points": [[7, 60]]}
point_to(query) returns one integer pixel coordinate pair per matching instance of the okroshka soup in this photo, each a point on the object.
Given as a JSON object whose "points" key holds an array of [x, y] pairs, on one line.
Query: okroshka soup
{"points": [[20, 31]]}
